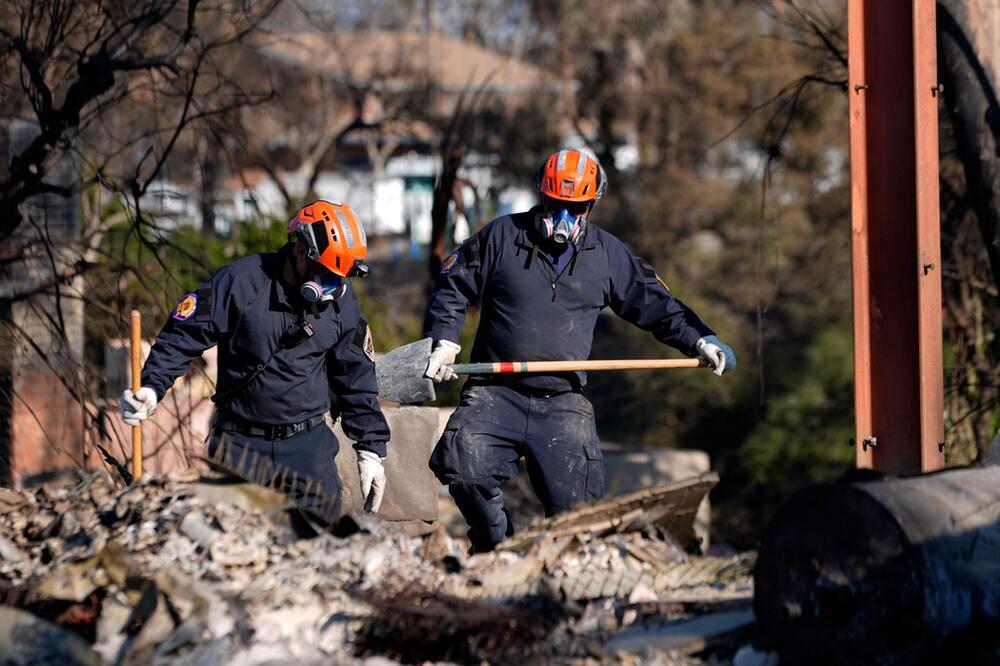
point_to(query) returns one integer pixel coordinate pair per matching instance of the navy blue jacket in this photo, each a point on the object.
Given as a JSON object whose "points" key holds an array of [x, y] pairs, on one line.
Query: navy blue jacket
{"points": [[528, 313], [245, 309]]}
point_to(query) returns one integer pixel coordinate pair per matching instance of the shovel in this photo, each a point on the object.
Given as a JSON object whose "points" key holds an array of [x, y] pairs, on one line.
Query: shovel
{"points": [[400, 373]]}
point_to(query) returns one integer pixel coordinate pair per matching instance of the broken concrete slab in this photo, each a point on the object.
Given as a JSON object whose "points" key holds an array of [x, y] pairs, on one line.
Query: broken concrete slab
{"points": [[411, 488]]}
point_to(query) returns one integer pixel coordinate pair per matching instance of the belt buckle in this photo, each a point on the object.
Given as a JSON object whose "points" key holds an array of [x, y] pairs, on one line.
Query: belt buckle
{"points": [[274, 432], [289, 429]]}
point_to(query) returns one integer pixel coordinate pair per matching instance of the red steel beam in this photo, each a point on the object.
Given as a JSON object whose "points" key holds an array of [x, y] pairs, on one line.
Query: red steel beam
{"points": [[895, 235], [930, 328], [857, 123]]}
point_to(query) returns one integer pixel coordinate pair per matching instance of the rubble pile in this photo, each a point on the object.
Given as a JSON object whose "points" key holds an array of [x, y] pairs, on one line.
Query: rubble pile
{"points": [[204, 569]]}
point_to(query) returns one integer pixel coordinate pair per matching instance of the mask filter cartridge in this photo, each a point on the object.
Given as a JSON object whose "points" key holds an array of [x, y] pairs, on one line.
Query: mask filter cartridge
{"points": [[565, 227], [326, 288]]}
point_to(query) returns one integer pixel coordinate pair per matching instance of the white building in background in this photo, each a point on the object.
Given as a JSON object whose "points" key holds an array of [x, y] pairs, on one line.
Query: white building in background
{"points": [[389, 183], [397, 204]]}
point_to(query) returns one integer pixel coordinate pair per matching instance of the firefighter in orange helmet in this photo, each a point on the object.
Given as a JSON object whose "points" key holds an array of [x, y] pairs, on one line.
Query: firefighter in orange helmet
{"points": [[541, 278], [293, 344]]}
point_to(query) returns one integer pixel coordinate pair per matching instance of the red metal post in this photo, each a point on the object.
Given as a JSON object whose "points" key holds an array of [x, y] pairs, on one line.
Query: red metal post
{"points": [[925, 96], [857, 111], [895, 235]]}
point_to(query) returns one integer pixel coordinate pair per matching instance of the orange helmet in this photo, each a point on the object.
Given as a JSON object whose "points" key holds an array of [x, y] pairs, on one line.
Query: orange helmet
{"points": [[333, 237], [571, 175]]}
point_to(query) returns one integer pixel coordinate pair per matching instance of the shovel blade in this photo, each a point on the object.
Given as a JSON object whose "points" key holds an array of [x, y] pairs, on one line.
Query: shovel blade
{"points": [[400, 374]]}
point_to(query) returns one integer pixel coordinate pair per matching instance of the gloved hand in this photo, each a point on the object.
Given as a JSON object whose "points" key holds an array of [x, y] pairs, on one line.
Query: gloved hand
{"points": [[372, 479], [439, 364], [137, 407], [718, 354]]}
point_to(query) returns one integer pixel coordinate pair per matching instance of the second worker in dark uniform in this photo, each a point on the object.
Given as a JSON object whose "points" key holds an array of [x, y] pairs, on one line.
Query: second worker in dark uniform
{"points": [[541, 278], [292, 345]]}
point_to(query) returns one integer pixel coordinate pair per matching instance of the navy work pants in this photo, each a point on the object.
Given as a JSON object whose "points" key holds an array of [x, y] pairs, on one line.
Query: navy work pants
{"points": [[492, 428], [301, 466]]}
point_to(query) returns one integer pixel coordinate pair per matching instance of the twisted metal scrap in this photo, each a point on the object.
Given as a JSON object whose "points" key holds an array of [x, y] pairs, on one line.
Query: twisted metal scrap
{"points": [[309, 494]]}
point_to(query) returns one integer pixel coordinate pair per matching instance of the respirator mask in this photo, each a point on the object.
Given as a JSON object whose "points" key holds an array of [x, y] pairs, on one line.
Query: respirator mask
{"points": [[564, 221], [317, 283], [322, 286]]}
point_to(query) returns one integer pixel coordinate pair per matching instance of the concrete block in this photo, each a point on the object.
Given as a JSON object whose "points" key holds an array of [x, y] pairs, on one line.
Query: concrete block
{"points": [[412, 490]]}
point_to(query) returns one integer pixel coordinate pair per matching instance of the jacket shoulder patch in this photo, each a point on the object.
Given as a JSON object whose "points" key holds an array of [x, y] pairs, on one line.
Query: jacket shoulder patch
{"points": [[369, 345], [467, 254], [186, 307], [449, 262], [363, 339]]}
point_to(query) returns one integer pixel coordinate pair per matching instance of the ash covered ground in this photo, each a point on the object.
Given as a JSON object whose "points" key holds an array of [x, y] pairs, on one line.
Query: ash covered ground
{"points": [[203, 569]]}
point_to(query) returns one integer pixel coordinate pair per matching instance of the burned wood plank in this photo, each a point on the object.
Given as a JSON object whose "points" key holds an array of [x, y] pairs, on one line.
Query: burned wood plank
{"points": [[671, 506]]}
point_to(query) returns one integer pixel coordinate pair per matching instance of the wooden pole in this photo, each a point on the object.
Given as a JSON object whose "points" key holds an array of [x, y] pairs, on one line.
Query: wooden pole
{"points": [[577, 366], [136, 353]]}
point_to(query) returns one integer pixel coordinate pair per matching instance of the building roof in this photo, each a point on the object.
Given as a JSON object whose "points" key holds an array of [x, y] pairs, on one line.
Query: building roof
{"points": [[407, 59]]}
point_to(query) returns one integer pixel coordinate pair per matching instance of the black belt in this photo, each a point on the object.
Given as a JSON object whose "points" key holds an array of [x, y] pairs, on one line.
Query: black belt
{"points": [[515, 385], [282, 431]]}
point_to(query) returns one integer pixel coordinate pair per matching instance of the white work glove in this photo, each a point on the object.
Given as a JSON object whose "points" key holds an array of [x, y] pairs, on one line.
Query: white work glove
{"points": [[372, 479], [137, 407], [717, 353], [439, 364]]}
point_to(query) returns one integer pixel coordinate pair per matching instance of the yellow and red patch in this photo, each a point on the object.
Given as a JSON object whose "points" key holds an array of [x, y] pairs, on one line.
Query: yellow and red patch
{"points": [[449, 262], [186, 307]]}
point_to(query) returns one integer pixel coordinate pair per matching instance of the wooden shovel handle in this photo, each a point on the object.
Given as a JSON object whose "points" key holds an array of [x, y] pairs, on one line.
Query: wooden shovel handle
{"points": [[575, 366], [135, 351]]}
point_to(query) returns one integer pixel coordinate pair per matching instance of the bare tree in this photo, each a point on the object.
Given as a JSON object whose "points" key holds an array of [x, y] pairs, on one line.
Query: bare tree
{"points": [[116, 84], [99, 99], [448, 186], [969, 69]]}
